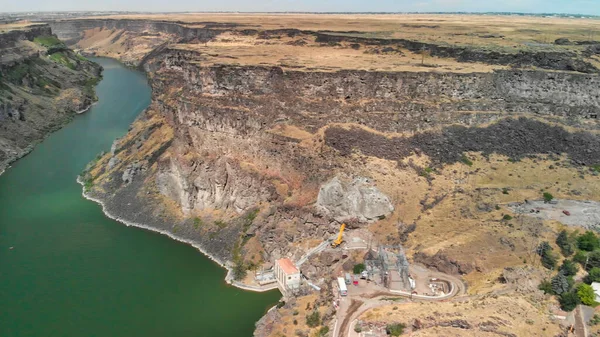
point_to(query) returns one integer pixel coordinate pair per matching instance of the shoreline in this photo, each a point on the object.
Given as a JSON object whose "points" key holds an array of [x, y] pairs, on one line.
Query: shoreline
{"points": [[228, 278]]}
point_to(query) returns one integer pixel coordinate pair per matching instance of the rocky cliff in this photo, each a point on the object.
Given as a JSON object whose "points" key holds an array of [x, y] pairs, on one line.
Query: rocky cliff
{"points": [[42, 85], [221, 141], [117, 36]]}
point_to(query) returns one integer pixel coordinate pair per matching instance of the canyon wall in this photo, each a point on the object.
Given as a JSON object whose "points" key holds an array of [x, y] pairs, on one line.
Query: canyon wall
{"points": [[43, 84], [219, 142]]}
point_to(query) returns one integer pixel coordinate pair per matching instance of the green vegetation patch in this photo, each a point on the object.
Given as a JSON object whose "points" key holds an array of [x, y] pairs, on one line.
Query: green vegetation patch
{"points": [[16, 73], [358, 268], [48, 41], [395, 329], [61, 58], [314, 319], [466, 161]]}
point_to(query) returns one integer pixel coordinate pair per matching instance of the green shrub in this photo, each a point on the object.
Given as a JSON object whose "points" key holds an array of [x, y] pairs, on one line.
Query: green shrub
{"points": [[546, 287], [395, 329], [592, 276], [505, 190], [580, 257], [507, 217], [323, 331], [221, 224], [358, 268], [88, 184], [466, 160], [586, 295], [313, 319], [568, 301], [588, 241], [569, 268], [563, 242], [239, 270], [547, 197]]}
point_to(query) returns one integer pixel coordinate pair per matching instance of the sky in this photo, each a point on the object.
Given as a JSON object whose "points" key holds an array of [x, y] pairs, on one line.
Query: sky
{"points": [[589, 7]]}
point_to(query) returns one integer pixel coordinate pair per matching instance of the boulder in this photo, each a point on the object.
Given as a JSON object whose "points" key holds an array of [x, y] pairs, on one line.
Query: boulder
{"points": [[358, 199]]}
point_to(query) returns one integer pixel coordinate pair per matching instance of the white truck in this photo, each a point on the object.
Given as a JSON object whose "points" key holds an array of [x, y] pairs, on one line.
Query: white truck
{"points": [[342, 286]]}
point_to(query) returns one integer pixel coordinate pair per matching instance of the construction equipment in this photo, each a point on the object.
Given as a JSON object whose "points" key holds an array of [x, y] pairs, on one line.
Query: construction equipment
{"points": [[340, 237]]}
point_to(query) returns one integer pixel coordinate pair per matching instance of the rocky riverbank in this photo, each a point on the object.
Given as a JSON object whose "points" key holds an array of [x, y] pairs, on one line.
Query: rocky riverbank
{"points": [[43, 84]]}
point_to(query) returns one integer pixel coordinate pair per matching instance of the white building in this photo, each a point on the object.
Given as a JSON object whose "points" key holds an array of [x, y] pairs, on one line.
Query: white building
{"points": [[596, 287], [287, 275]]}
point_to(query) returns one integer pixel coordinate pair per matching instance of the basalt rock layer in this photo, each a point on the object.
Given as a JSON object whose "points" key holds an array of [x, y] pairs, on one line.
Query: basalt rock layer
{"points": [[43, 84]]}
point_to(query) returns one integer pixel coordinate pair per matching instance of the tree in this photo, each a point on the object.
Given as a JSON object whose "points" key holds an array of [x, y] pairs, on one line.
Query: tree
{"points": [[239, 270], [547, 197], [560, 284], [568, 301], [580, 257], [592, 276], [549, 261], [358, 268], [588, 241], [593, 260], [543, 248], [395, 329], [569, 268], [586, 295], [545, 252], [562, 241]]}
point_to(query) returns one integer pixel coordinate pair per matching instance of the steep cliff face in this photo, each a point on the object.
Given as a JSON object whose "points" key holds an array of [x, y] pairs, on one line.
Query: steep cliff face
{"points": [[42, 85], [130, 41], [242, 138]]}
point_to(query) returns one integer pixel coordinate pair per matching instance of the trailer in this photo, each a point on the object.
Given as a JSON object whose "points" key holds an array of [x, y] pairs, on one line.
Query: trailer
{"points": [[342, 286]]}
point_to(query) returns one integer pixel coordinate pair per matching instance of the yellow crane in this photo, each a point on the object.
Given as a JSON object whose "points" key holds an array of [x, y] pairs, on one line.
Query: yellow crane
{"points": [[340, 237]]}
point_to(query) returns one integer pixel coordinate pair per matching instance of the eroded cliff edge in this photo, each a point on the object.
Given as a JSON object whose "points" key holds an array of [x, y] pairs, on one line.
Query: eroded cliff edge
{"points": [[43, 84]]}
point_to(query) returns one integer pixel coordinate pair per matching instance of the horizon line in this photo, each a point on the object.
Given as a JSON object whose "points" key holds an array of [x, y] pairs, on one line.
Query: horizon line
{"points": [[306, 12]]}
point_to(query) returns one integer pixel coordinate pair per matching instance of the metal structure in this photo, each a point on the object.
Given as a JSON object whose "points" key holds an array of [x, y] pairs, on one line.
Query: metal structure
{"points": [[394, 267]]}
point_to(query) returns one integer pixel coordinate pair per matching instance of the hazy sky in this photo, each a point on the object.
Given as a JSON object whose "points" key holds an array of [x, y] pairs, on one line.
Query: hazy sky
{"points": [[529, 6]]}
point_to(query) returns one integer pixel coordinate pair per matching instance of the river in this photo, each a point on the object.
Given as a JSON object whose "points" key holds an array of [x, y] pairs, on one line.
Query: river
{"points": [[68, 270]]}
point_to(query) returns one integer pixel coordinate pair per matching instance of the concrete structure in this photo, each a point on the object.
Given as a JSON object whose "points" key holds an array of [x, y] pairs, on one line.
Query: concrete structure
{"points": [[596, 287], [287, 275]]}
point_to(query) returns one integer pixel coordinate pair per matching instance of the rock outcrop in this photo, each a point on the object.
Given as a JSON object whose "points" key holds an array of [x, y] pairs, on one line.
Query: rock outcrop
{"points": [[43, 84], [358, 199]]}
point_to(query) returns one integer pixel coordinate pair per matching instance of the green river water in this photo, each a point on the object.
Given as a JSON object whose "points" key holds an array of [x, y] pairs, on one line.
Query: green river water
{"points": [[74, 272]]}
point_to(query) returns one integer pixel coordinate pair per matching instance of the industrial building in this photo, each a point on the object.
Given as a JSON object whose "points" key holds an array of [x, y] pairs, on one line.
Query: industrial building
{"points": [[287, 275]]}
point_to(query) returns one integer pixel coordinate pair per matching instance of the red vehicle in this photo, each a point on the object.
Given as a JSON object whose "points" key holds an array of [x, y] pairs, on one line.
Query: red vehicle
{"points": [[565, 212]]}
